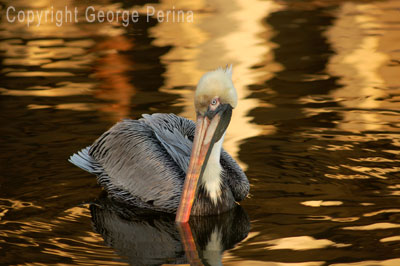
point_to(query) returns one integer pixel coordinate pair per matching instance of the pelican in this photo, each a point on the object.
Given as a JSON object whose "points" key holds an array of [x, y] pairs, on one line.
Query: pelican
{"points": [[167, 163]]}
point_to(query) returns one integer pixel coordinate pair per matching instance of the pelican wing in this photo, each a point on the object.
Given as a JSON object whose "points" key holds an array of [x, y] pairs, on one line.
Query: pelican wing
{"points": [[175, 134], [138, 168]]}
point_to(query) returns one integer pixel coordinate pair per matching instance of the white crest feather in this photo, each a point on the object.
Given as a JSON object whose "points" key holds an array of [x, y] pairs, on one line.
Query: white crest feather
{"points": [[228, 69]]}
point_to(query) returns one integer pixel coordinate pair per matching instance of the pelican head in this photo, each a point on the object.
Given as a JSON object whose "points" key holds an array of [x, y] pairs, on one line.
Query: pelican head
{"points": [[215, 98]]}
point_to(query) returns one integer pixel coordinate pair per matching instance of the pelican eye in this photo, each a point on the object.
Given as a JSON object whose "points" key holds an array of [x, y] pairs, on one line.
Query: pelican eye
{"points": [[214, 101]]}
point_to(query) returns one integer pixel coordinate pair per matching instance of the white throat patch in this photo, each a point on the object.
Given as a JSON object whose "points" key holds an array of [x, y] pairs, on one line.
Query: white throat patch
{"points": [[212, 174]]}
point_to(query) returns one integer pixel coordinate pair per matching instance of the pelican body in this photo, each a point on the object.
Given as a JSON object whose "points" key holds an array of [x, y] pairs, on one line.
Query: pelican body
{"points": [[168, 163]]}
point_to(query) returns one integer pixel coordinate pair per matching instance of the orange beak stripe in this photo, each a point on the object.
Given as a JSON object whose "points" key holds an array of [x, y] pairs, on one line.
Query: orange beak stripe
{"points": [[205, 130]]}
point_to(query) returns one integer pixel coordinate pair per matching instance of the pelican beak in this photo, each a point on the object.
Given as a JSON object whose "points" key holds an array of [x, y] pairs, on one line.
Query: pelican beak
{"points": [[210, 127]]}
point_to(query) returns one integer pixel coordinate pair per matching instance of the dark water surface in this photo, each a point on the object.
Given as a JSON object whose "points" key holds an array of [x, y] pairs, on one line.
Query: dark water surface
{"points": [[317, 130]]}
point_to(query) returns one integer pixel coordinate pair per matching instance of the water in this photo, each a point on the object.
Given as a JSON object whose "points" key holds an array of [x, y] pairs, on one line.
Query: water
{"points": [[316, 130]]}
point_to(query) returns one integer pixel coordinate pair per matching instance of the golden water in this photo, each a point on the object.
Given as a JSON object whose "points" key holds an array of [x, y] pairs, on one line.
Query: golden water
{"points": [[317, 128]]}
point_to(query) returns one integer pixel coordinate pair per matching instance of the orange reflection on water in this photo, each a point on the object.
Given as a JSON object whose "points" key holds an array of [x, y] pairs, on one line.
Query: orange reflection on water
{"points": [[363, 51], [111, 69], [12, 204], [64, 89], [55, 49], [319, 203], [378, 172], [381, 211], [273, 263], [390, 239], [301, 243], [392, 262], [79, 248], [329, 218], [376, 226]]}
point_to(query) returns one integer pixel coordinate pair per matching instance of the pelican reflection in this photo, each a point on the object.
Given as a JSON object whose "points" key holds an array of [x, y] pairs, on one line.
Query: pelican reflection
{"points": [[143, 237]]}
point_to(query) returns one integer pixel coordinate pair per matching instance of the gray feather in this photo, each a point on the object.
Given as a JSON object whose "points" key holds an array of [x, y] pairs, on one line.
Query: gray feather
{"points": [[135, 162], [172, 132], [83, 160], [143, 162]]}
